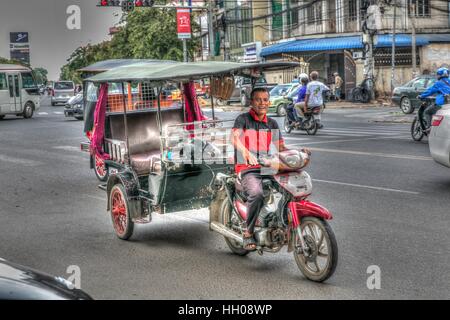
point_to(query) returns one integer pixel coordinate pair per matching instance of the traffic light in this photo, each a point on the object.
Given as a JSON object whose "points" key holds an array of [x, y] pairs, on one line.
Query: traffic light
{"points": [[126, 5]]}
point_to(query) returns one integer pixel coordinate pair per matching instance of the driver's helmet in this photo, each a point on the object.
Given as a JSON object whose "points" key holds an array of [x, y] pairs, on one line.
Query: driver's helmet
{"points": [[293, 160], [442, 73]]}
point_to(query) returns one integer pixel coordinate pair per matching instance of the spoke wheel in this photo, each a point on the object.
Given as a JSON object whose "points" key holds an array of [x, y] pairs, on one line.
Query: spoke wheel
{"points": [[281, 110], [287, 127], [319, 261], [416, 130], [226, 217], [101, 169], [311, 126], [120, 214]]}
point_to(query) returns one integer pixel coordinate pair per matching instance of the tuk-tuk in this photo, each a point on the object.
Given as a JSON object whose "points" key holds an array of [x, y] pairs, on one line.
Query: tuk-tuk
{"points": [[167, 156], [163, 154]]}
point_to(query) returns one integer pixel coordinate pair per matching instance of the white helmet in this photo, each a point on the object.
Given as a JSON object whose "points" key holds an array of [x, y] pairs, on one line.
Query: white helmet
{"points": [[303, 76]]}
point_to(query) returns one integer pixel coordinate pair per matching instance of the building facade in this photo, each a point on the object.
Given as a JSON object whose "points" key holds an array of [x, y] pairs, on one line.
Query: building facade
{"points": [[327, 34]]}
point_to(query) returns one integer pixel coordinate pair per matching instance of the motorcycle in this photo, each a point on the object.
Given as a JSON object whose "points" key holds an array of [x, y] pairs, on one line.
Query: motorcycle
{"points": [[309, 123], [287, 218], [419, 127]]}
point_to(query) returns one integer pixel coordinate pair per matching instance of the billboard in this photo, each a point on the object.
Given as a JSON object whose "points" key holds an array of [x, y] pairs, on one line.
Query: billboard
{"points": [[19, 45], [184, 23]]}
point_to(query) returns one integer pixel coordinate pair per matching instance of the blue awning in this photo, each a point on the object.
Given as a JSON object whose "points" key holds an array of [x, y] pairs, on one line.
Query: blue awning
{"points": [[339, 43]]}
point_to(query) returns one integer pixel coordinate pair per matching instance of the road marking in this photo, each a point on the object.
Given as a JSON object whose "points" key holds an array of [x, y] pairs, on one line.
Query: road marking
{"points": [[374, 154], [353, 140], [24, 162], [42, 113], [366, 187], [68, 148], [95, 197], [58, 112]]}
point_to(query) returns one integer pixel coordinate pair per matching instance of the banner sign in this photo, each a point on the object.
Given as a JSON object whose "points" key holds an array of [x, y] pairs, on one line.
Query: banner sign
{"points": [[19, 46], [184, 23]]}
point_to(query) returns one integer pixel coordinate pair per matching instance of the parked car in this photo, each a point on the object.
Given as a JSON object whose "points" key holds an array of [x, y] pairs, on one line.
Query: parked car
{"points": [[278, 95], [439, 138], [22, 283], [405, 96], [62, 92], [74, 107], [243, 88]]}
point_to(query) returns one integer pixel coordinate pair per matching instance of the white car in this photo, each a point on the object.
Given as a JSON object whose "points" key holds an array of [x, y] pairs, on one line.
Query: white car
{"points": [[62, 92], [439, 139]]}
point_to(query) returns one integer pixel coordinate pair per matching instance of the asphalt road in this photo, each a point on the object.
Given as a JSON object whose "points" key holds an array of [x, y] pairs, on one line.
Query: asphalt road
{"points": [[389, 199]]}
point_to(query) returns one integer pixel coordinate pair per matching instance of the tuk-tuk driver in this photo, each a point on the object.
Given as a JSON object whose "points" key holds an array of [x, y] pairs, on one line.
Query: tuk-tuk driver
{"points": [[253, 133]]}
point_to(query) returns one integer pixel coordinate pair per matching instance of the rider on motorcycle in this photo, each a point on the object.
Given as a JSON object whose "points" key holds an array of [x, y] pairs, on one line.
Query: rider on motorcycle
{"points": [[314, 95], [294, 115], [442, 88], [253, 133]]}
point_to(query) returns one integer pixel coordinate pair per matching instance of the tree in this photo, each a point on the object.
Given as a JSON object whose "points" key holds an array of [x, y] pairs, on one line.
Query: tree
{"points": [[146, 34], [152, 34], [8, 61], [41, 75]]}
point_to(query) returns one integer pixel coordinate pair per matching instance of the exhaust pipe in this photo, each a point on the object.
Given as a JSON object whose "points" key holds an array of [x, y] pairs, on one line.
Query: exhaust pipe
{"points": [[220, 228]]}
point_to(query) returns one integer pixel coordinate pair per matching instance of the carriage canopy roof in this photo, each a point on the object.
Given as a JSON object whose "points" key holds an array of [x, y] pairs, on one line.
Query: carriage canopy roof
{"points": [[185, 71], [106, 65]]}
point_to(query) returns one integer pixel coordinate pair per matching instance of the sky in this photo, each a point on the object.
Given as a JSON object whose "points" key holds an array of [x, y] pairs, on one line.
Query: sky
{"points": [[51, 41]]}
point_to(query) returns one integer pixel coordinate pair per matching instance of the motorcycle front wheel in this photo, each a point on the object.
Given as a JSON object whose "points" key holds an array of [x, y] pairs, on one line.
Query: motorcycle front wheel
{"points": [[287, 126], [319, 261], [416, 130]]}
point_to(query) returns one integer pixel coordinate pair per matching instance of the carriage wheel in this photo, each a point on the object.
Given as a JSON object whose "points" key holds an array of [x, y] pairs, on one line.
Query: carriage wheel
{"points": [[101, 169], [120, 213]]}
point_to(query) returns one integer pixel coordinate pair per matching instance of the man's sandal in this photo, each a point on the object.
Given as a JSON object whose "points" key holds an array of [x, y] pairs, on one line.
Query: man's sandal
{"points": [[249, 242]]}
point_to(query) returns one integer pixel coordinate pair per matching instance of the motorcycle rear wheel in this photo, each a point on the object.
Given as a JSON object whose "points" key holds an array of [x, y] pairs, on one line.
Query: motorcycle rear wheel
{"points": [[416, 130], [312, 128], [318, 236], [225, 218]]}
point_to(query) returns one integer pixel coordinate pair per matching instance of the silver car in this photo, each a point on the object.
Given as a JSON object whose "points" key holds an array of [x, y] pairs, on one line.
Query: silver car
{"points": [[62, 92], [439, 140]]}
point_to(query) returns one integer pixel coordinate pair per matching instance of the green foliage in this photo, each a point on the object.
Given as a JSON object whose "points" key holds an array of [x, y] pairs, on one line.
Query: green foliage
{"points": [[41, 75], [146, 34], [8, 61]]}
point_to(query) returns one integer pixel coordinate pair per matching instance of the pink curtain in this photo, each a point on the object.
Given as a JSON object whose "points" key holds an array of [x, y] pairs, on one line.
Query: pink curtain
{"points": [[99, 124], [192, 107]]}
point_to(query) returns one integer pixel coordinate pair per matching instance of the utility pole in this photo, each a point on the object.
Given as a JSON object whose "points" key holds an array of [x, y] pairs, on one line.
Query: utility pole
{"points": [[393, 46], [413, 37], [185, 55], [210, 29]]}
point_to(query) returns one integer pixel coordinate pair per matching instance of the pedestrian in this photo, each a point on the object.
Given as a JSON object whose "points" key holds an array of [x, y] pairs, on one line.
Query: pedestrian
{"points": [[338, 83]]}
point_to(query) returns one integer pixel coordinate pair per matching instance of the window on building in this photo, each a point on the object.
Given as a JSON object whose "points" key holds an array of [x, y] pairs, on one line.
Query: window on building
{"points": [[3, 83], [293, 15], [352, 10], [314, 13], [277, 20], [240, 32], [421, 10]]}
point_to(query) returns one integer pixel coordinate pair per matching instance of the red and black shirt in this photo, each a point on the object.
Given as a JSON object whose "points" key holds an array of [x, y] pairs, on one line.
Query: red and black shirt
{"points": [[256, 136]]}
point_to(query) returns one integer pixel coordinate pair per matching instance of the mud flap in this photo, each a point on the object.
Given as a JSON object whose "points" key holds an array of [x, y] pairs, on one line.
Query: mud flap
{"points": [[214, 207]]}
